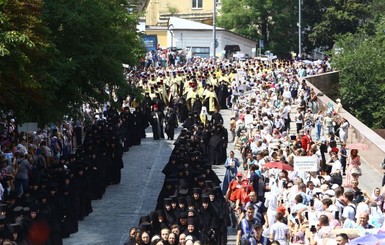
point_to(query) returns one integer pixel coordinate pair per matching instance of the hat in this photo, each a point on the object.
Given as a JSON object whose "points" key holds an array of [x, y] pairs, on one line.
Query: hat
{"points": [[3, 207], [183, 215], [330, 193], [205, 198], [160, 213], [18, 210], [239, 174], [174, 199], [327, 178], [190, 201], [182, 200], [338, 100], [197, 190], [334, 186], [281, 209], [183, 190], [3, 219], [167, 201], [146, 226], [190, 221], [14, 228]]}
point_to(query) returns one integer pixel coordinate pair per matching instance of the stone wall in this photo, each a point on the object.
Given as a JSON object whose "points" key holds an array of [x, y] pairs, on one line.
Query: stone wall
{"points": [[358, 132], [328, 83]]}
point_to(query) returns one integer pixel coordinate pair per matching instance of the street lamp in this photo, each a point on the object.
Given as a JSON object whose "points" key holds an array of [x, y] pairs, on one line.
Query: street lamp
{"points": [[299, 30], [214, 31], [171, 29]]}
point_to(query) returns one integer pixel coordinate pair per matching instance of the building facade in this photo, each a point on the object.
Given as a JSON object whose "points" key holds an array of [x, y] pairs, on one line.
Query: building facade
{"points": [[157, 12]]}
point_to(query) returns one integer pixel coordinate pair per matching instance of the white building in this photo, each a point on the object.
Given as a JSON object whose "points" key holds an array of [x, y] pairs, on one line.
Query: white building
{"points": [[193, 35]]}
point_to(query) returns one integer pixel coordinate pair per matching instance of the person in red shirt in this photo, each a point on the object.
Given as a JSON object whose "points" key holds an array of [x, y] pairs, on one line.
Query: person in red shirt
{"points": [[305, 141], [231, 197], [242, 194], [233, 186]]}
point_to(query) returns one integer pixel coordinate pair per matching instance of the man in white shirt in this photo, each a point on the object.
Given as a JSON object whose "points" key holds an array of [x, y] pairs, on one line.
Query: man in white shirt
{"points": [[286, 93], [286, 115], [279, 231], [335, 163], [349, 211]]}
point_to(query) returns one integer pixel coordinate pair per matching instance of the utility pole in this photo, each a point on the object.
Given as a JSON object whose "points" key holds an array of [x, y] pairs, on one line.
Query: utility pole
{"points": [[214, 31], [299, 30]]}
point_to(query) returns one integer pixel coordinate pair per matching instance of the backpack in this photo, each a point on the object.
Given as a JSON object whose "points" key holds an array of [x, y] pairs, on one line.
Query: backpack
{"points": [[298, 144]]}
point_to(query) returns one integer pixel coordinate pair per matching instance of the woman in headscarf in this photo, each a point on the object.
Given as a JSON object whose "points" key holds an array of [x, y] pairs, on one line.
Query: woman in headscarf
{"points": [[232, 163]]}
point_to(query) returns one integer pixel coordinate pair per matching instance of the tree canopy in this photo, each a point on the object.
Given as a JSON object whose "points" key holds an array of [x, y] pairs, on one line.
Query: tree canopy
{"points": [[324, 20], [275, 21], [362, 74], [56, 55]]}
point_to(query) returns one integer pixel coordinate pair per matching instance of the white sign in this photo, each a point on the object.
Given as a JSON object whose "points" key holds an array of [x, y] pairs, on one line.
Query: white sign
{"points": [[305, 164], [28, 127]]}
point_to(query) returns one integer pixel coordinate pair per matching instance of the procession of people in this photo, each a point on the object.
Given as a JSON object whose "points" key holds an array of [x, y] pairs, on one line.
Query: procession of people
{"points": [[50, 177], [263, 197]]}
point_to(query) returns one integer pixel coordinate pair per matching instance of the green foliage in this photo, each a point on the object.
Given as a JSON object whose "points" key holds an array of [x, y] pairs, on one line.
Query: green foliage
{"points": [[274, 21], [25, 47], [56, 55], [324, 20], [362, 74]]}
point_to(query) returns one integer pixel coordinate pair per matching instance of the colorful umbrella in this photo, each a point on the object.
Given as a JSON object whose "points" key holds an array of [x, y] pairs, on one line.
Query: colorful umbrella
{"points": [[358, 146], [368, 239], [279, 165]]}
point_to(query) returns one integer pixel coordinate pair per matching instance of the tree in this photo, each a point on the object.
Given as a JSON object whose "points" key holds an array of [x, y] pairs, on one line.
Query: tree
{"points": [[273, 21], [25, 50], [324, 20], [362, 74], [93, 39]]}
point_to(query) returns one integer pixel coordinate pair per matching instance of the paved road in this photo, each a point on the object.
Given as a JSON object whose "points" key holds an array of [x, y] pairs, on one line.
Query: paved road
{"points": [[135, 196]]}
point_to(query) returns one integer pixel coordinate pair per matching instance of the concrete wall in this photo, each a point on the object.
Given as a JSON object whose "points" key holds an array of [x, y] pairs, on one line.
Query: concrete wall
{"points": [[358, 132], [327, 83]]}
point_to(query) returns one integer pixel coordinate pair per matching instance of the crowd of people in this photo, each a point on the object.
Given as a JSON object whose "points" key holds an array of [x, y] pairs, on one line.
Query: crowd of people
{"points": [[276, 121], [48, 183], [266, 199]]}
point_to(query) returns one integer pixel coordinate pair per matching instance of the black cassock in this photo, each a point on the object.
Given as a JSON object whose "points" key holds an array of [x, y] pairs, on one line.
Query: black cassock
{"points": [[157, 124], [216, 118], [69, 222], [222, 94], [215, 145], [171, 124], [138, 127]]}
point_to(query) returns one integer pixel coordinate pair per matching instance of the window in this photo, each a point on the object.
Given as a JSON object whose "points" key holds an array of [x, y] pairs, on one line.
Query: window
{"points": [[197, 4], [203, 52]]}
